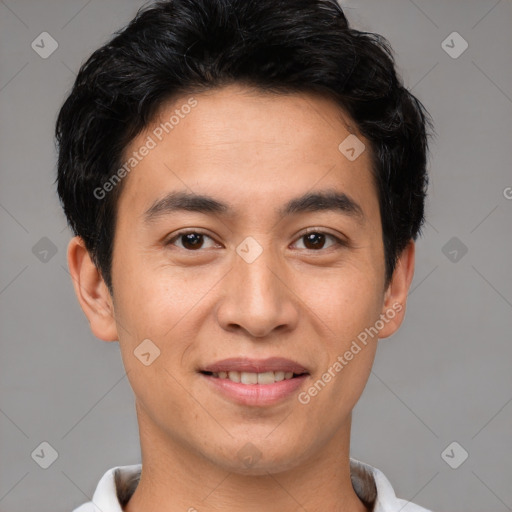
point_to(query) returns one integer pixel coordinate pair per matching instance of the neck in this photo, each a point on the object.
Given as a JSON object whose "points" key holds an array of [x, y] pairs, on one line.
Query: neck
{"points": [[177, 478]]}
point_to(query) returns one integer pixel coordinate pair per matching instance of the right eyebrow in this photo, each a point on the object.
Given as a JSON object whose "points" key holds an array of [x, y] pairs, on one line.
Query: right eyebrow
{"points": [[175, 201]]}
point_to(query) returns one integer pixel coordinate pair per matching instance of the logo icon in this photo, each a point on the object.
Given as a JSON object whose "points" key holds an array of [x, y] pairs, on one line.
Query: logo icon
{"points": [[454, 455], [44, 250], [454, 45], [45, 455], [44, 45], [249, 455], [352, 147], [249, 250], [146, 352], [454, 250]]}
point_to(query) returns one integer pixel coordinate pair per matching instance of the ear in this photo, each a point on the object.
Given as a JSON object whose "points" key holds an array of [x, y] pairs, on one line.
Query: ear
{"points": [[91, 291], [395, 297]]}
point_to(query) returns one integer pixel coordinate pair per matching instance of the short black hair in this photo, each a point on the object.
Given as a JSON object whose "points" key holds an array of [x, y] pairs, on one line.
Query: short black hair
{"points": [[179, 47]]}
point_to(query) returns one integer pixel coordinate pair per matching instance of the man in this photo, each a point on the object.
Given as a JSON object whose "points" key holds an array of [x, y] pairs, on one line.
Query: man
{"points": [[245, 181]]}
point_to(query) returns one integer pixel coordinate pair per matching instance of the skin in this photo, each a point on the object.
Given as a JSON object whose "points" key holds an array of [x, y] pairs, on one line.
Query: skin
{"points": [[255, 152]]}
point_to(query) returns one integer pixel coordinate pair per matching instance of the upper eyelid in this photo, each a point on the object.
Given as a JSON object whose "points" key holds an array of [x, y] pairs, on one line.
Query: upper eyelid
{"points": [[174, 237], [339, 240]]}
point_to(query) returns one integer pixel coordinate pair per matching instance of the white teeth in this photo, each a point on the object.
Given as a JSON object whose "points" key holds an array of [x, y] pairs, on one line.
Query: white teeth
{"points": [[279, 376], [234, 376], [248, 378], [266, 378], [254, 378]]}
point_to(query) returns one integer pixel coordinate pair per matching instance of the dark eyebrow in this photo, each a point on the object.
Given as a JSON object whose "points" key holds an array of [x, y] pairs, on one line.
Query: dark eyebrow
{"points": [[309, 202], [324, 201], [175, 201]]}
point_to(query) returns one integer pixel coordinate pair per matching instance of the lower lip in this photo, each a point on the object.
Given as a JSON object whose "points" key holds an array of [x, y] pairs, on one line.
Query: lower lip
{"points": [[256, 394]]}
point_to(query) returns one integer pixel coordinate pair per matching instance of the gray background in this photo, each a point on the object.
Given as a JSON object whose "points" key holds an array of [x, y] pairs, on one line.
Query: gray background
{"points": [[444, 377]]}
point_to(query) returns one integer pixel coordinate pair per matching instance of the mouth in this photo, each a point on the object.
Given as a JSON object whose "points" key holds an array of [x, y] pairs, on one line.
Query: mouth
{"points": [[252, 382], [251, 378]]}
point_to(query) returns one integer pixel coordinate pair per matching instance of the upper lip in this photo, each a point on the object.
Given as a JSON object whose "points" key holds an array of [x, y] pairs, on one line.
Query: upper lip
{"points": [[244, 364]]}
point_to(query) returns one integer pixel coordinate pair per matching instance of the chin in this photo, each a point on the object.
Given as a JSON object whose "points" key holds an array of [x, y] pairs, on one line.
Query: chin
{"points": [[260, 456]]}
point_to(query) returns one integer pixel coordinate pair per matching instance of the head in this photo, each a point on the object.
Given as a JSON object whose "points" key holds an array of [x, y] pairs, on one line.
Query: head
{"points": [[203, 169]]}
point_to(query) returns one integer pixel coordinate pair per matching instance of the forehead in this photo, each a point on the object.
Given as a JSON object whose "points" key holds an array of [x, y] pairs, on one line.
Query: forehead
{"points": [[241, 144]]}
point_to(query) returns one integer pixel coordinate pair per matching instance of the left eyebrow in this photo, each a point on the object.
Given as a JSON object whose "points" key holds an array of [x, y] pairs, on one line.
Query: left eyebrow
{"points": [[326, 200]]}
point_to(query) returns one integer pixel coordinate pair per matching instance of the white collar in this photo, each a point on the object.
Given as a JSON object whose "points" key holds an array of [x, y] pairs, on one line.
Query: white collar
{"points": [[118, 483]]}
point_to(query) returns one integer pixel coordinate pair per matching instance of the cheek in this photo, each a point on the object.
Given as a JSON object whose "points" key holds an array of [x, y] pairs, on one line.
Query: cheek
{"points": [[154, 297], [347, 309], [345, 301], [328, 402], [155, 312], [346, 306], [163, 304]]}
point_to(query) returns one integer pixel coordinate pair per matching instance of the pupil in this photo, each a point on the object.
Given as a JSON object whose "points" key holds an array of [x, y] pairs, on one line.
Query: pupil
{"points": [[194, 240], [315, 239]]}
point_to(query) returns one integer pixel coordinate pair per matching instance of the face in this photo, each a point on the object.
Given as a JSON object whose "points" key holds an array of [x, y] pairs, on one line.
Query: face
{"points": [[247, 242]]}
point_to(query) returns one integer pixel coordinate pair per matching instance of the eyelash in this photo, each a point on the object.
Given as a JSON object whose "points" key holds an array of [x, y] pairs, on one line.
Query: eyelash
{"points": [[338, 242]]}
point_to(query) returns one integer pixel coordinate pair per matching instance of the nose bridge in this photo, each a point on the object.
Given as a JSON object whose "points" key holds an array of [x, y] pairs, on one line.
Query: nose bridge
{"points": [[259, 283], [257, 299]]}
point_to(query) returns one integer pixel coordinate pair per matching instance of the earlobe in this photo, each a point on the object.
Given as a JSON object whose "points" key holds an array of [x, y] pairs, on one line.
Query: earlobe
{"points": [[91, 291], [395, 298]]}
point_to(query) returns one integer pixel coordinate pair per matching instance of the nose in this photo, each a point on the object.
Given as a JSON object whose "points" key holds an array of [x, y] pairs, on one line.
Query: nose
{"points": [[257, 298]]}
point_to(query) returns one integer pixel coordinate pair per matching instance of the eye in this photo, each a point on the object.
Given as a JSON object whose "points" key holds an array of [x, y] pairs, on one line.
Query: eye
{"points": [[312, 240], [192, 241], [317, 240]]}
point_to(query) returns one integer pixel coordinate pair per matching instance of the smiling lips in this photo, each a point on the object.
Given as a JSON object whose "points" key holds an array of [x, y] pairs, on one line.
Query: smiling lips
{"points": [[254, 378], [251, 371]]}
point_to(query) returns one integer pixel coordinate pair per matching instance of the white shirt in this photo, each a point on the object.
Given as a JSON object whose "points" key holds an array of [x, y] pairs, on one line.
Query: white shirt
{"points": [[118, 484]]}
